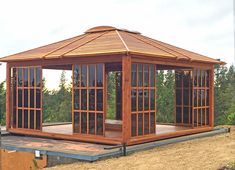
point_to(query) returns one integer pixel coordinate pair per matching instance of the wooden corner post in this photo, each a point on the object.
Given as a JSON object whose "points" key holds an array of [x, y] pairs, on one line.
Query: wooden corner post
{"points": [[126, 98], [8, 95], [211, 97]]}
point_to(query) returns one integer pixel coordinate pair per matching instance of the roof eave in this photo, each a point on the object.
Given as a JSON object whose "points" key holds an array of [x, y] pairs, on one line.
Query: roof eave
{"points": [[64, 57], [176, 58]]}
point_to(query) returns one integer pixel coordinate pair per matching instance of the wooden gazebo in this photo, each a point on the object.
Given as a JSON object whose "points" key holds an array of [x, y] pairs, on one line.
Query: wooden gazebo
{"points": [[90, 57]]}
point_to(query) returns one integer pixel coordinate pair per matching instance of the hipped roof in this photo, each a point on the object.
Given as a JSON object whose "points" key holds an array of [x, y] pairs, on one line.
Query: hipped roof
{"points": [[106, 40]]}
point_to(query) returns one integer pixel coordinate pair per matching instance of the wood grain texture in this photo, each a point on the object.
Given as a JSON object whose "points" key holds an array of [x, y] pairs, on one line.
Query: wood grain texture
{"points": [[211, 97], [109, 40], [126, 98], [20, 160], [8, 96]]}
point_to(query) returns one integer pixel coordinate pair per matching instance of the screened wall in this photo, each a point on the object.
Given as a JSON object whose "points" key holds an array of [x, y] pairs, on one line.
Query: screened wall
{"points": [[192, 97], [192, 104], [27, 104], [143, 108], [201, 93], [88, 99]]}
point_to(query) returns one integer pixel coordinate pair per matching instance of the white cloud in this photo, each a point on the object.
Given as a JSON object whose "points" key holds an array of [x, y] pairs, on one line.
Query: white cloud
{"points": [[203, 26]]}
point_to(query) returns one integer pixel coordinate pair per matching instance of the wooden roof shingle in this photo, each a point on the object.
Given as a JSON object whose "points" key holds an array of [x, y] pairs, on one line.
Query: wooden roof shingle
{"points": [[106, 40]]}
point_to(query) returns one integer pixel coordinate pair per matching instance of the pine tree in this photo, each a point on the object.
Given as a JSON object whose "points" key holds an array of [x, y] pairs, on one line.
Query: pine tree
{"points": [[165, 96], [57, 104], [111, 92], [224, 95]]}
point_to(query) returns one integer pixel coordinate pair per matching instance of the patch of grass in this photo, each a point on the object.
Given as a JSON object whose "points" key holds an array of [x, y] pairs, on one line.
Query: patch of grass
{"points": [[35, 164], [229, 166]]}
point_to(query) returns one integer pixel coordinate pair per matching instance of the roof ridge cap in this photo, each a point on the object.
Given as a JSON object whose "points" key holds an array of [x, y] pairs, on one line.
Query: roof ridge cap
{"points": [[123, 42]]}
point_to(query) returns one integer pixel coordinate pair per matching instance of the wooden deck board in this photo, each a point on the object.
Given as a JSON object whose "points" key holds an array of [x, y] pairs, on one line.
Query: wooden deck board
{"points": [[67, 129], [161, 129]]}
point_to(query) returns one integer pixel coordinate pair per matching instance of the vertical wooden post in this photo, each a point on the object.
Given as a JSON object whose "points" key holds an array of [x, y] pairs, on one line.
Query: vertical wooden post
{"points": [[211, 97], [126, 98], [8, 95]]}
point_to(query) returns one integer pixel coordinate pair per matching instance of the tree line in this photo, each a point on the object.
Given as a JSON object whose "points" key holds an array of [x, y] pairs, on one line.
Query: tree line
{"points": [[57, 105]]}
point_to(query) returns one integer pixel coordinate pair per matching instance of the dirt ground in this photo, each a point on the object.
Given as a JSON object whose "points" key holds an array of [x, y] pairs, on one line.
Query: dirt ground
{"points": [[205, 153]]}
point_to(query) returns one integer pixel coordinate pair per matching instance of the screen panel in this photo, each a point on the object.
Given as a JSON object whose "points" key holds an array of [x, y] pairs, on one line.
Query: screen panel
{"points": [[84, 122], [91, 75], [91, 99], [133, 125], [88, 99], [38, 120], [99, 75], [26, 118], [27, 105], [100, 123], [91, 123], [146, 123], [201, 97], [76, 99], [140, 124], [77, 75], [99, 102], [32, 78], [32, 114], [143, 96], [19, 118], [76, 122]]}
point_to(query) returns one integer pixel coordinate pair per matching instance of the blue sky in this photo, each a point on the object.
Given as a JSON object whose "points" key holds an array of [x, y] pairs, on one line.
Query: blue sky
{"points": [[202, 26]]}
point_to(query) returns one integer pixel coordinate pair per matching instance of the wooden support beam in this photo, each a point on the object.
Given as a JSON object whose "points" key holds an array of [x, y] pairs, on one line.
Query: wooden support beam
{"points": [[8, 96], [68, 61], [193, 97], [126, 98], [211, 97]]}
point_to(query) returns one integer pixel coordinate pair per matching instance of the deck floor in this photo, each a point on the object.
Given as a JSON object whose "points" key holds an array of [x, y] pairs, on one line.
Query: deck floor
{"points": [[67, 129], [161, 129]]}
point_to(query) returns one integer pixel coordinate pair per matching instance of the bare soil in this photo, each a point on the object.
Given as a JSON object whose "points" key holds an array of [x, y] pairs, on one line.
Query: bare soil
{"points": [[205, 153]]}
